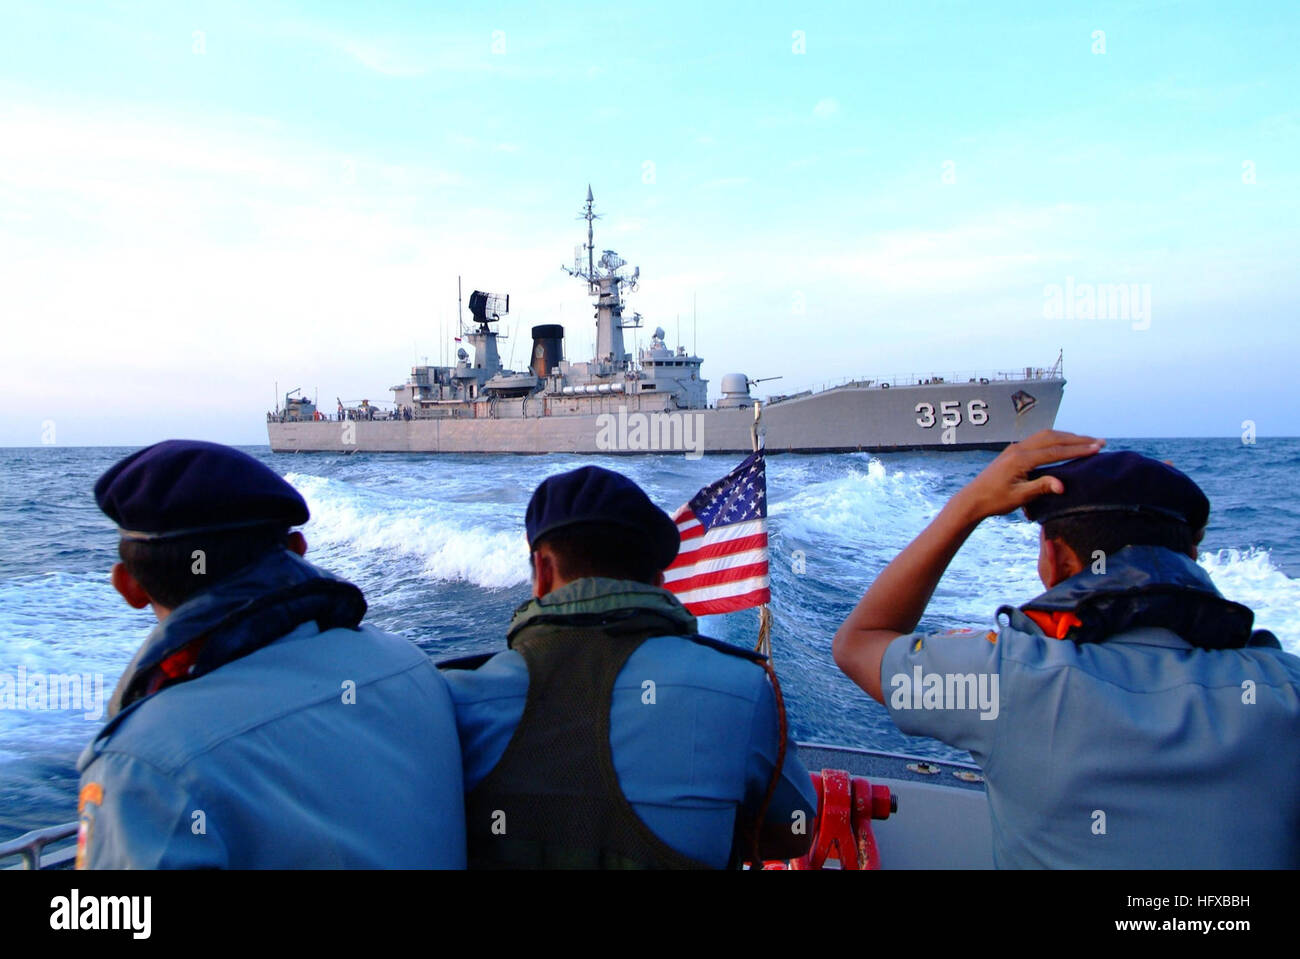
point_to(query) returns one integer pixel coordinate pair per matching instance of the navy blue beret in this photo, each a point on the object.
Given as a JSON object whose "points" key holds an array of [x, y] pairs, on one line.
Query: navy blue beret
{"points": [[179, 487], [595, 495], [1120, 482]]}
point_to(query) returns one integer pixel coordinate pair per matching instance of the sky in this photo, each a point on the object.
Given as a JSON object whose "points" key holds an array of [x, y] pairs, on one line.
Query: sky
{"points": [[206, 205]]}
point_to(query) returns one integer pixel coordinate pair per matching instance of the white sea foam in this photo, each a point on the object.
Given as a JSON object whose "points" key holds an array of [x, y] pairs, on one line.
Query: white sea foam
{"points": [[870, 507], [354, 528], [65, 624], [1250, 578]]}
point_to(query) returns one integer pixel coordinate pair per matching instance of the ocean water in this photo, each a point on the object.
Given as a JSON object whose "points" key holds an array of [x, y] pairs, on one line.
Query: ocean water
{"points": [[437, 544]]}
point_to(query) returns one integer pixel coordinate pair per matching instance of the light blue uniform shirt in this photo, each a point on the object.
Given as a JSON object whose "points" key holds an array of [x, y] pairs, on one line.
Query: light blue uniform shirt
{"points": [[318, 750], [705, 747], [1140, 752]]}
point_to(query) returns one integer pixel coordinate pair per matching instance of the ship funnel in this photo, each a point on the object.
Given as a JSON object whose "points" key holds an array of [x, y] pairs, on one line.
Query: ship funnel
{"points": [[548, 348]]}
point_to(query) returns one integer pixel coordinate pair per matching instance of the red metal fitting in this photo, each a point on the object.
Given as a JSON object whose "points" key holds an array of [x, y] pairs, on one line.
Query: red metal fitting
{"points": [[842, 830]]}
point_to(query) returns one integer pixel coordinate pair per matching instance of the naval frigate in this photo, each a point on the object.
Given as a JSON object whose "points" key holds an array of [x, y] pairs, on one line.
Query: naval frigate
{"points": [[656, 402]]}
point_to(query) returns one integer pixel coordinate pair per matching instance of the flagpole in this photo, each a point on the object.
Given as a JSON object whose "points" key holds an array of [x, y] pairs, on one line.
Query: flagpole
{"points": [[764, 646]]}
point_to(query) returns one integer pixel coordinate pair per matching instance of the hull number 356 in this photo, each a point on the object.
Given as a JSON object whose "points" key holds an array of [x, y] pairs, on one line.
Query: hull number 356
{"points": [[949, 413]]}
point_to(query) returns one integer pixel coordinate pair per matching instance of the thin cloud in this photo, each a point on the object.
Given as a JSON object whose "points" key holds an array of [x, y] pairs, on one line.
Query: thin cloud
{"points": [[381, 60], [826, 108]]}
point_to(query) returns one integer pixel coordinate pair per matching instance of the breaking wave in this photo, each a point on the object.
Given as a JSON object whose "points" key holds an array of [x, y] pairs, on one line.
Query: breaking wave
{"points": [[353, 529], [1249, 577]]}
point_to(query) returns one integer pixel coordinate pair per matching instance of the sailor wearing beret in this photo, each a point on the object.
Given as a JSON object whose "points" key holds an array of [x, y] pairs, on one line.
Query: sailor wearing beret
{"points": [[261, 725], [1127, 717], [610, 734]]}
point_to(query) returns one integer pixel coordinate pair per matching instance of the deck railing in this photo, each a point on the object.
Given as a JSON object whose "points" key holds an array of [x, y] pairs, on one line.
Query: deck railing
{"points": [[30, 847], [917, 379]]}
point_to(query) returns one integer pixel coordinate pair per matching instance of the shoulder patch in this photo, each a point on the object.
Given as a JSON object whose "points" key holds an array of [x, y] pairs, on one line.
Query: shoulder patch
{"points": [[992, 636], [916, 646], [93, 794]]}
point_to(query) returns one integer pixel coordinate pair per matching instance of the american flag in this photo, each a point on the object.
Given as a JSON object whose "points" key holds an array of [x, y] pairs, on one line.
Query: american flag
{"points": [[722, 566]]}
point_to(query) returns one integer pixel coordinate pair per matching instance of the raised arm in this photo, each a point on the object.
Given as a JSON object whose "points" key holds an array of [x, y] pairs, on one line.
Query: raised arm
{"points": [[895, 602]]}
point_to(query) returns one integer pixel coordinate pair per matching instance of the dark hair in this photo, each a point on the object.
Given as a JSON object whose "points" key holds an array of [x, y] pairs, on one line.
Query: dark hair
{"points": [[600, 549], [1110, 531], [171, 572]]}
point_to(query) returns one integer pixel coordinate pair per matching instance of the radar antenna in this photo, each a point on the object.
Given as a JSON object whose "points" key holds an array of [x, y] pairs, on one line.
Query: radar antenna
{"points": [[610, 265], [488, 307]]}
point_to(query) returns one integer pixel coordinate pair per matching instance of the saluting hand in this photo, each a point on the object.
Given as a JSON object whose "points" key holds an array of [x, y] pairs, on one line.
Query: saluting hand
{"points": [[1004, 485], [894, 604]]}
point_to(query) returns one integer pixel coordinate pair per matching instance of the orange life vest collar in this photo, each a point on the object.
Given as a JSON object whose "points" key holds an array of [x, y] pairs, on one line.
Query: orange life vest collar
{"points": [[1054, 622]]}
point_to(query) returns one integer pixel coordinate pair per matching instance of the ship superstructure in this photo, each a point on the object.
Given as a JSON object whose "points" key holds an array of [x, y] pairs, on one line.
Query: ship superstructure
{"points": [[480, 387]]}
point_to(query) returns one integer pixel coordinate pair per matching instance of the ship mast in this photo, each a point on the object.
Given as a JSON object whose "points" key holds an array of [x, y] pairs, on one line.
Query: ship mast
{"points": [[605, 280], [591, 246]]}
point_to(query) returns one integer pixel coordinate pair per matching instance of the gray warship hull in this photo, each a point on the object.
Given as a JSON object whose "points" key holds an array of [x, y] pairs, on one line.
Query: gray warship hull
{"points": [[861, 416]]}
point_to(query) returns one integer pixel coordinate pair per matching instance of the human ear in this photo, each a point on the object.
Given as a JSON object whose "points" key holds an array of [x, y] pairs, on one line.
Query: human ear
{"points": [[129, 587], [543, 573]]}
